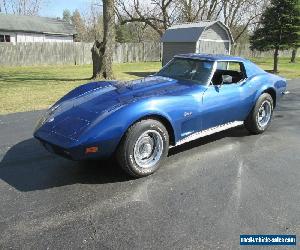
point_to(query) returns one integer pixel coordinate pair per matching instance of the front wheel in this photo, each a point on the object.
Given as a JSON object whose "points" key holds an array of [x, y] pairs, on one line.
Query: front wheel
{"points": [[260, 117], [143, 148]]}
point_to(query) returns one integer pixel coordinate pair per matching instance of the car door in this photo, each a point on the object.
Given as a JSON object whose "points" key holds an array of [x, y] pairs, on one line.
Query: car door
{"points": [[224, 102]]}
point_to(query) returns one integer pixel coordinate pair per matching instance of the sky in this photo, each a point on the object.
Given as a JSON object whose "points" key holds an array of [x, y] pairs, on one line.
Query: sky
{"points": [[55, 8]]}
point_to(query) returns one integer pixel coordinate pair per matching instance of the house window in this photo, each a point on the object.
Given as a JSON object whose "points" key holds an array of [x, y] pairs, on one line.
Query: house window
{"points": [[4, 38]]}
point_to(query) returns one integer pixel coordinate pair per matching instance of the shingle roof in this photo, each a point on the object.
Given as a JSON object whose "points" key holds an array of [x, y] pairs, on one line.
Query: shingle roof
{"points": [[35, 24], [190, 32]]}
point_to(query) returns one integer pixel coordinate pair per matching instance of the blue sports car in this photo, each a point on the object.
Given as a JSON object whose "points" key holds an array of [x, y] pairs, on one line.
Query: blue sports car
{"points": [[137, 121]]}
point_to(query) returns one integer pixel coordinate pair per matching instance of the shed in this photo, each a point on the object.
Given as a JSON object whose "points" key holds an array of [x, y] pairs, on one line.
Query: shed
{"points": [[209, 37]]}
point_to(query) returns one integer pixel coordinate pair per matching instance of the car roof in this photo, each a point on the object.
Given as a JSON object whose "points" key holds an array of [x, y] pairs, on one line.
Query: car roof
{"points": [[211, 57]]}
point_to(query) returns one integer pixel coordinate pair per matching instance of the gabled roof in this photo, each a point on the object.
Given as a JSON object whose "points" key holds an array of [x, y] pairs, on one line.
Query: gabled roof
{"points": [[191, 32], [35, 24]]}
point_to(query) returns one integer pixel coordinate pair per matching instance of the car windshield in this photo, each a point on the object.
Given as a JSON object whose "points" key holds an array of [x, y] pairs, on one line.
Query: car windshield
{"points": [[188, 69]]}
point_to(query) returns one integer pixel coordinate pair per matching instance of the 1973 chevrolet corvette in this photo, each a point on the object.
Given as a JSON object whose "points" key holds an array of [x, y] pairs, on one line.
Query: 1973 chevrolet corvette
{"points": [[137, 121]]}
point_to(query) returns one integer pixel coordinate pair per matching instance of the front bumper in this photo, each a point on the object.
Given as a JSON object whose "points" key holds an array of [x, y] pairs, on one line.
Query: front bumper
{"points": [[74, 150], [57, 150]]}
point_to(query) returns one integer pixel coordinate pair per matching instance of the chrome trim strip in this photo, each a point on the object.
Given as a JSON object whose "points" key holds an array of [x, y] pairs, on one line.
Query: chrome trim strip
{"points": [[209, 131]]}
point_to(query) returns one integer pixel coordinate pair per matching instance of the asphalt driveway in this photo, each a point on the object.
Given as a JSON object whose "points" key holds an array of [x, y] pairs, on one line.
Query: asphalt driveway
{"points": [[208, 193]]}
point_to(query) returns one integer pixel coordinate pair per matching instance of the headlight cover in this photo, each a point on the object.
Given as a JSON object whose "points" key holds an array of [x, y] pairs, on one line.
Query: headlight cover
{"points": [[46, 116]]}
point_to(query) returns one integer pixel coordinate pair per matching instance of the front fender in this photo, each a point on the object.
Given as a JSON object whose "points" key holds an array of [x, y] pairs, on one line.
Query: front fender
{"points": [[110, 128]]}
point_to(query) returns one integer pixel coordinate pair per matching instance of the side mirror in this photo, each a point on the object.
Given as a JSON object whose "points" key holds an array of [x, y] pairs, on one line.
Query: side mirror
{"points": [[226, 79]]}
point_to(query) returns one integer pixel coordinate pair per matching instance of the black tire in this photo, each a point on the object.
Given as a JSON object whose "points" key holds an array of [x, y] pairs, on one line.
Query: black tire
{"points": [[251, 123], [126, 155]]}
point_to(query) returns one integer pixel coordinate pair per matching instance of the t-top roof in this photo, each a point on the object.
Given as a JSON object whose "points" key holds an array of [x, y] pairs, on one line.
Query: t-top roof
{"points": [[212, 57], [35, 24], [251, 68], [190, 32]]}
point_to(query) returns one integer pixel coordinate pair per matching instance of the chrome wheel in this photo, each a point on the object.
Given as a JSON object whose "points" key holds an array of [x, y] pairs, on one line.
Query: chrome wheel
{"points": [[264, 114], [148, 149]]}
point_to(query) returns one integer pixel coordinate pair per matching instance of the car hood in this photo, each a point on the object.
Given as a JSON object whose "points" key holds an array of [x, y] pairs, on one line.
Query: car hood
{"points": [[74, 112]]}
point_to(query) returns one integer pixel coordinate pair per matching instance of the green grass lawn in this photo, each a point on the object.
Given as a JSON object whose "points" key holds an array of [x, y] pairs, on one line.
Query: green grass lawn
{"points": [[37, 87], [285, 68], [34, 88]]}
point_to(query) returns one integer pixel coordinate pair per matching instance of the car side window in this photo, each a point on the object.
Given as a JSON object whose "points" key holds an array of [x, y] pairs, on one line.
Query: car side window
{"points": [[180, 67], [222, 65], [228, 72]]}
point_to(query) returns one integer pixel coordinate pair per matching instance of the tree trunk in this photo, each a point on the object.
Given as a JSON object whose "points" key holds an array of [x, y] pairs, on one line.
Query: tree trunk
{"points": [[102, 52], [275, 66], [97, 57], [293, 58]]}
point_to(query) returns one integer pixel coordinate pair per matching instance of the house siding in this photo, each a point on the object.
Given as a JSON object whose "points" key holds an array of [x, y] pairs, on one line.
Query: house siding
{"points": [[22, 37], [172, 49], [211, 47], [37, 38]]}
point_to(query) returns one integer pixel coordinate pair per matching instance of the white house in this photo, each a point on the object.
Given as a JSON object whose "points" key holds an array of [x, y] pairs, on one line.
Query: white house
{"points": [[30, 29]]}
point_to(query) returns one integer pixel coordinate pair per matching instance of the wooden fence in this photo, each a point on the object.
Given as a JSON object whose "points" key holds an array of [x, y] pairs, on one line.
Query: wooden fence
{"points": [[24, 54], [244, 50]]}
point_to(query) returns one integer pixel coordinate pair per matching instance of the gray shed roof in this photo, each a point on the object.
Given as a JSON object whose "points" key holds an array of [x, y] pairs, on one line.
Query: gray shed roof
{"points": [[190, 32], [35, 24]]}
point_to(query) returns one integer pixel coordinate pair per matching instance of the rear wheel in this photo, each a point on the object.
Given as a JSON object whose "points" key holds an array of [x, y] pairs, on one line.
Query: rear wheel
{"points": [[143, 148], [260, 117]]}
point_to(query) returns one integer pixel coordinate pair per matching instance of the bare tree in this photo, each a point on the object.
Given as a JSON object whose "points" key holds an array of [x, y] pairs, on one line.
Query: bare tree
{"points": [[21, 7], [197, 10], [102, 52], [158, 14], [94, 22], [79, 25], [88, 23], [161, 14], [190, 11], [239, 15], [67, 16]]}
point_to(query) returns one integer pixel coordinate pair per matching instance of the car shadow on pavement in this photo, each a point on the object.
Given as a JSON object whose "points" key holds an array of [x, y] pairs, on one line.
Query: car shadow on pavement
{"points": [[27, 166]]}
